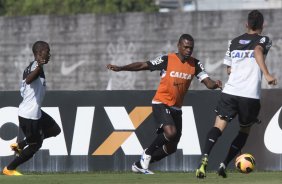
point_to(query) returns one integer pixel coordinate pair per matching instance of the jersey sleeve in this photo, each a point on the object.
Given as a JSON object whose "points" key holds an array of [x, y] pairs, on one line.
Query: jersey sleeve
{"points": [[31, 67], [159, 63], [200, 72], [265, 43], [227, 59]]}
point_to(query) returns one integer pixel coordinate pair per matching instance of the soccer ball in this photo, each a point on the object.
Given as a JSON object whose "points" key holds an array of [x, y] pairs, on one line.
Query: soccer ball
{"points": [[245, 163]]}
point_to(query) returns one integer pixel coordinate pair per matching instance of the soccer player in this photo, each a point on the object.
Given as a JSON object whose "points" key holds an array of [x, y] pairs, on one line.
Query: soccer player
{"points": [[177, 71], [35, 123], [245, 60]]}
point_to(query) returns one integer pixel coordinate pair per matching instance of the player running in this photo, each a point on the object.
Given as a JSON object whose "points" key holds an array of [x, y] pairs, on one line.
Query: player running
{"points": [[245, 60], [177, 71], [35, 123]]}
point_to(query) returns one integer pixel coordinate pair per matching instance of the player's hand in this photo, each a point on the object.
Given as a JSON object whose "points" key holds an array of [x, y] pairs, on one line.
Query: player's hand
{"points": [[219, 84], [113, 67], [271, 80], [41, 62]]}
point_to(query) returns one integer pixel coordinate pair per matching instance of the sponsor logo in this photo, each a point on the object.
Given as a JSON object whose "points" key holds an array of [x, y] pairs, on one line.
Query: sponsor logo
{"points": [[66, 70], [262, 40], [242, 54], [180, 75], [244, 42], [201, 65], [273, 133], [123, 137], [177, 84], [157, 61]]}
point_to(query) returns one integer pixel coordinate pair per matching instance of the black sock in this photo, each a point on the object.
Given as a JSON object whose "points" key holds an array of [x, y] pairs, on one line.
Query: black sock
{"points": [[22, 144], [26, 154], [236, 146], [211, 139], [158, 155], [138, 164], [157, 143]]}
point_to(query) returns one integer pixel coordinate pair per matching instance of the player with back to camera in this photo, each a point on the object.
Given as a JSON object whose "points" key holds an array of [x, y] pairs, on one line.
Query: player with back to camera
{"points": [[177, 71], [34, 123], [245, 60]]}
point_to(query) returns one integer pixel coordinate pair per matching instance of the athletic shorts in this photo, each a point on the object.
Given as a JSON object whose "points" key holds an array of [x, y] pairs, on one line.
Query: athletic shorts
{"points": [[246, 108], [165, 115], [34, 130]]}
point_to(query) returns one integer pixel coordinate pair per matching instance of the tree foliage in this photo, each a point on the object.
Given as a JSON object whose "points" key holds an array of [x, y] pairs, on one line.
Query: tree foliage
{"points": [[70, 7]]}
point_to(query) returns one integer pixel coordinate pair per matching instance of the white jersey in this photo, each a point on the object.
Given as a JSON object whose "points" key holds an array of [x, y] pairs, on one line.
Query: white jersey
{"points": [[33, 94], [245, 77]]}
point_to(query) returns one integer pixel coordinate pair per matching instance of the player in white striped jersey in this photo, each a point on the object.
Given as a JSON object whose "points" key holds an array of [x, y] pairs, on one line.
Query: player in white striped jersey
{"points": [[245, 60], [35, 123]]}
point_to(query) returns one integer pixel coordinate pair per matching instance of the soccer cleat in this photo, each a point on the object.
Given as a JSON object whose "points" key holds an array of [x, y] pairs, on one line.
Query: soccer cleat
{"points": [[137, 169], [15, 148], [8, 172], [145, 160], [201, 172], [222, 170]]}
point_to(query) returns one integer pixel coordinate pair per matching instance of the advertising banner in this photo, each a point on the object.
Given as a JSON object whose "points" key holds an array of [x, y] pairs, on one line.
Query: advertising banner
{"points": [[108, 130]]}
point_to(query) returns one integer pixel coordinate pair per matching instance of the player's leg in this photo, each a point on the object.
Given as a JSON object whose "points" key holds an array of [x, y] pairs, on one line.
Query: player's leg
{"points": [[34, 139], [235, 147], [166, 131], [49, 126], [226, 111], [171, 146], [20, 145], [248, 110], [212, 137]]}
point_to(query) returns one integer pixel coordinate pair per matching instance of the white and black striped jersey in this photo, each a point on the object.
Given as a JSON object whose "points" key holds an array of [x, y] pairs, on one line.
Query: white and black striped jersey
{"points": [[33, 94], [245, 77]]}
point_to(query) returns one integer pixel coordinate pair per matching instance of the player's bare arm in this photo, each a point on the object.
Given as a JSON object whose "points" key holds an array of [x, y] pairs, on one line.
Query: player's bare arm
{"points": [[211, 84], [137, 66], [260, 59], [35, 73]]}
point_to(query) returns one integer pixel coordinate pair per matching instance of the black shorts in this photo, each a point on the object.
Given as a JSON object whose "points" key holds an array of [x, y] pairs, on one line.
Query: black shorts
{"points": [[34, 130], [165, 115], [246, 108]]}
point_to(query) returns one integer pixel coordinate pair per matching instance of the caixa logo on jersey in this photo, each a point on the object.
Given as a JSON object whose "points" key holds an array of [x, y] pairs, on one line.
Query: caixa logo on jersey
{"points": [[242, 54], [124, 124]]}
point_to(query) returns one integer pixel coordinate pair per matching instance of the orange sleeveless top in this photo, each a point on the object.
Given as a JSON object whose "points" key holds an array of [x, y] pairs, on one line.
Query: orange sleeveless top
{"points": [[175, 83]]}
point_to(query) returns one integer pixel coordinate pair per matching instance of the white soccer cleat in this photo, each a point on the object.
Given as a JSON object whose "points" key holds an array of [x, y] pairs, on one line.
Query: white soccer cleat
{"points": [[137, 169], [145, 160]]}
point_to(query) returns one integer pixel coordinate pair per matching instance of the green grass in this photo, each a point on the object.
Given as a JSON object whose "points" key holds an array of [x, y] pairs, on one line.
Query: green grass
{"points": [[131, 178]]}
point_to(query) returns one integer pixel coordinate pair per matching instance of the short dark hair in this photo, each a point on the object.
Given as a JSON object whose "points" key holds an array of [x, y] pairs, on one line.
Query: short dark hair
{"points": [[185, 37], [255, 20], [38, 46]]}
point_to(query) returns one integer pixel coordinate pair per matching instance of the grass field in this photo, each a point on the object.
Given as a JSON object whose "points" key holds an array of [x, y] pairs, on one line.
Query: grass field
{"points": [[160, 177]]}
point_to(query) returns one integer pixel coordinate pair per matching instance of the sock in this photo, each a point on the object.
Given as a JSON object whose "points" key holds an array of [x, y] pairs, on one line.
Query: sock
{"points": [[26, 154], [236, 146], [211, 139], [159, 154], [22, 144], [138, 164], [157, 143]]}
